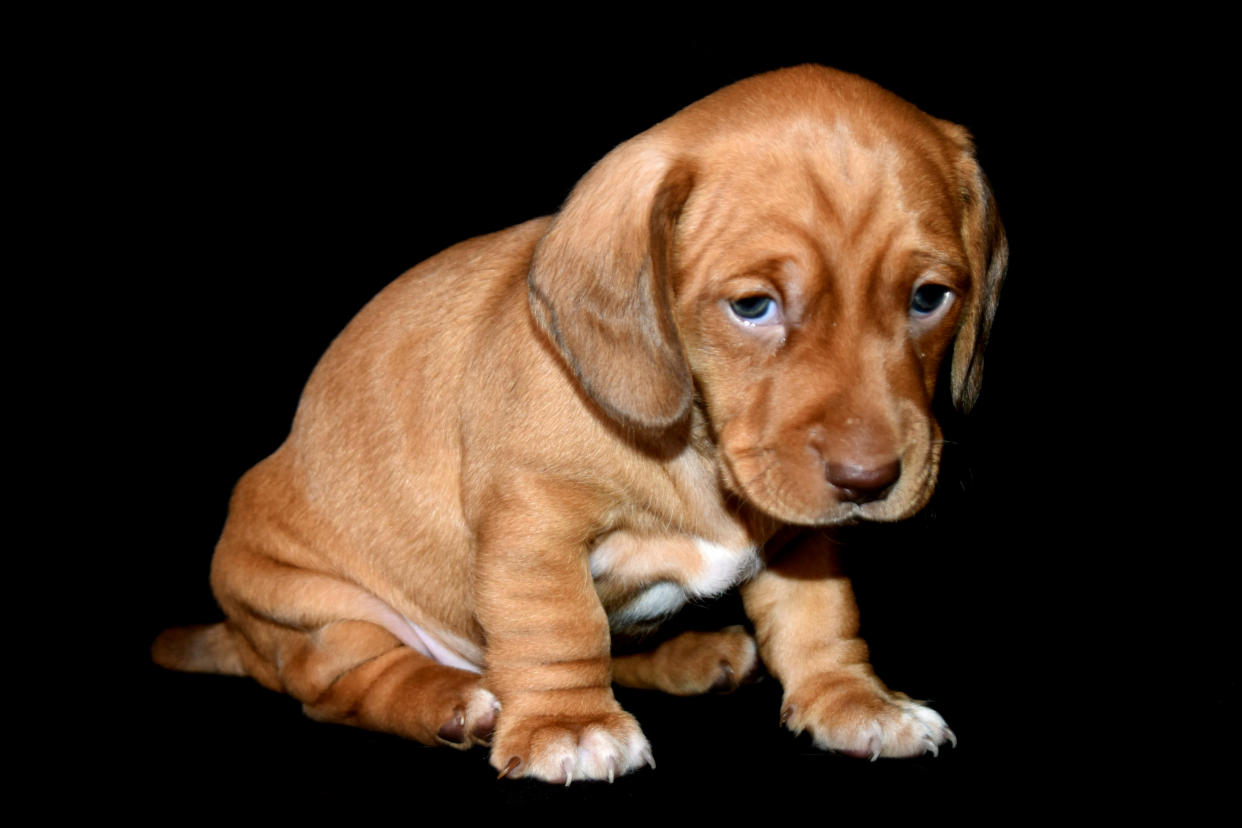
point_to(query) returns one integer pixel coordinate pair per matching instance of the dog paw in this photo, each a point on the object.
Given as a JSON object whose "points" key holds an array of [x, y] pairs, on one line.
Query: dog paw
{"points": [[855, 716], [692, 663], [472, 722], [567, 749], [714, 662]]}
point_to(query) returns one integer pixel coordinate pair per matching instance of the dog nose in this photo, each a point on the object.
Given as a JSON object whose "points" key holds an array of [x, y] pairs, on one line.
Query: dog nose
{"points": [[863, 484]]}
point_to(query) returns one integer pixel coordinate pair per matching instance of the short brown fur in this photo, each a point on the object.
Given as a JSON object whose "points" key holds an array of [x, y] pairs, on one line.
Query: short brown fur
{"points": [[592, 427]]}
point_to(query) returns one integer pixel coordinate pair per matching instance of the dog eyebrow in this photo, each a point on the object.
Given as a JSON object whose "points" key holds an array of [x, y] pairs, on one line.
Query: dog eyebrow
{"points": [[940, 260], [772, 269]]}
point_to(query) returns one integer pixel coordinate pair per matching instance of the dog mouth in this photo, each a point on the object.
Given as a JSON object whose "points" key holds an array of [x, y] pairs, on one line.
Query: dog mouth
{"points": [[853, 515], [802, 493], [850, 514]]}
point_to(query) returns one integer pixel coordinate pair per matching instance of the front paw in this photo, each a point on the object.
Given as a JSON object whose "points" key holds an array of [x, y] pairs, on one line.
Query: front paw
{"points": [[563, 749], [857, 716]]}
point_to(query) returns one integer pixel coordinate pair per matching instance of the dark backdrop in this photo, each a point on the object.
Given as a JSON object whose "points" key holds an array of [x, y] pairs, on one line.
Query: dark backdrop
{"points": [[276, 176]]}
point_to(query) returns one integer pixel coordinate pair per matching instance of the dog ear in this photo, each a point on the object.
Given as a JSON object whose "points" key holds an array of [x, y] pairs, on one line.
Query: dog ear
{"points": [[600, 285], [989, 254]]}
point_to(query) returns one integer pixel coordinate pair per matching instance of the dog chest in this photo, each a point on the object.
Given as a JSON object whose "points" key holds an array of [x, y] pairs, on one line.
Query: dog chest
{"points": [[644, 577]]}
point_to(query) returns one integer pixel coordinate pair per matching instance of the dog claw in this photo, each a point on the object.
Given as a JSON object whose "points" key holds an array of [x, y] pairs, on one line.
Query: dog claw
{"points": [[648, 758], [931, 747], [512, 766], [484, 728], [952, 738], [786, 715], [569, 772]]}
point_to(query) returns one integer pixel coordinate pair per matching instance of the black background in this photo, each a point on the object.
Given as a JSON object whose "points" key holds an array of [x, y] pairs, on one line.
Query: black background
{"points": [[249, 185]]}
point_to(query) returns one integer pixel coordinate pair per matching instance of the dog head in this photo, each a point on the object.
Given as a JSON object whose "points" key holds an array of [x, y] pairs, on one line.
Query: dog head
{"points": [[801, 250]]}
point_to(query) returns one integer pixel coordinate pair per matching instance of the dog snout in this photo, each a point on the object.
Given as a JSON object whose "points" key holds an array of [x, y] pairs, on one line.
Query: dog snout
{"points": [[863, 483]]}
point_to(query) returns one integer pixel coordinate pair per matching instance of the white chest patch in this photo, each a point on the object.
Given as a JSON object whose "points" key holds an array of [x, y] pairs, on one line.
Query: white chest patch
{"points": [[669, 570], [656, 601], [722, 568]]}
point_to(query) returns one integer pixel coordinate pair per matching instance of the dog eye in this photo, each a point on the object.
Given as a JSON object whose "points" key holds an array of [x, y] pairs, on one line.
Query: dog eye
{"points": [[927, 299], [756, 310]]}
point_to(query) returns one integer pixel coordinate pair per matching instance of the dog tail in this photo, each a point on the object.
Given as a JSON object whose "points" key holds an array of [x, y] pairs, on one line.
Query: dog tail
{"points": [[204, 648]]}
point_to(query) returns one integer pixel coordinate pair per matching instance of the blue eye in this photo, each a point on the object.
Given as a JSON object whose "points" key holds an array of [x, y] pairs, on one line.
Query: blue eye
{"points": [[757, 310], [927, 299]]}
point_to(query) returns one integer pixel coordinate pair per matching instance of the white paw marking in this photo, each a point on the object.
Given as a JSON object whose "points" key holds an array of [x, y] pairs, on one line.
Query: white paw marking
{"points": [[935, 731], [480, 704], [906, 728], [597, 753], [912, 731]]}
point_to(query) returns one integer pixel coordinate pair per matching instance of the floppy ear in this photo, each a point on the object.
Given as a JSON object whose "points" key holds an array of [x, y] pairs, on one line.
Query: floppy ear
{"points": [[600, 285], [989, 254]]}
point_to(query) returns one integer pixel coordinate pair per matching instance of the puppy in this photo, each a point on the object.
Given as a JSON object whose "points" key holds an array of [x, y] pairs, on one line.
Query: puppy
{"points": [[725, 342]]}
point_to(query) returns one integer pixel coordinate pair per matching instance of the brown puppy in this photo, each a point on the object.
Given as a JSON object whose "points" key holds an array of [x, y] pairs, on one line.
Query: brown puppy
{"points": [[727, 339]]}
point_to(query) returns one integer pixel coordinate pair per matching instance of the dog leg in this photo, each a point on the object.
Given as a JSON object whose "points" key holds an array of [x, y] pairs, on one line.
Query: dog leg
{"points": [[806, 624], [335, 647], [548, 642], [691, 663], [352, 672]]}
